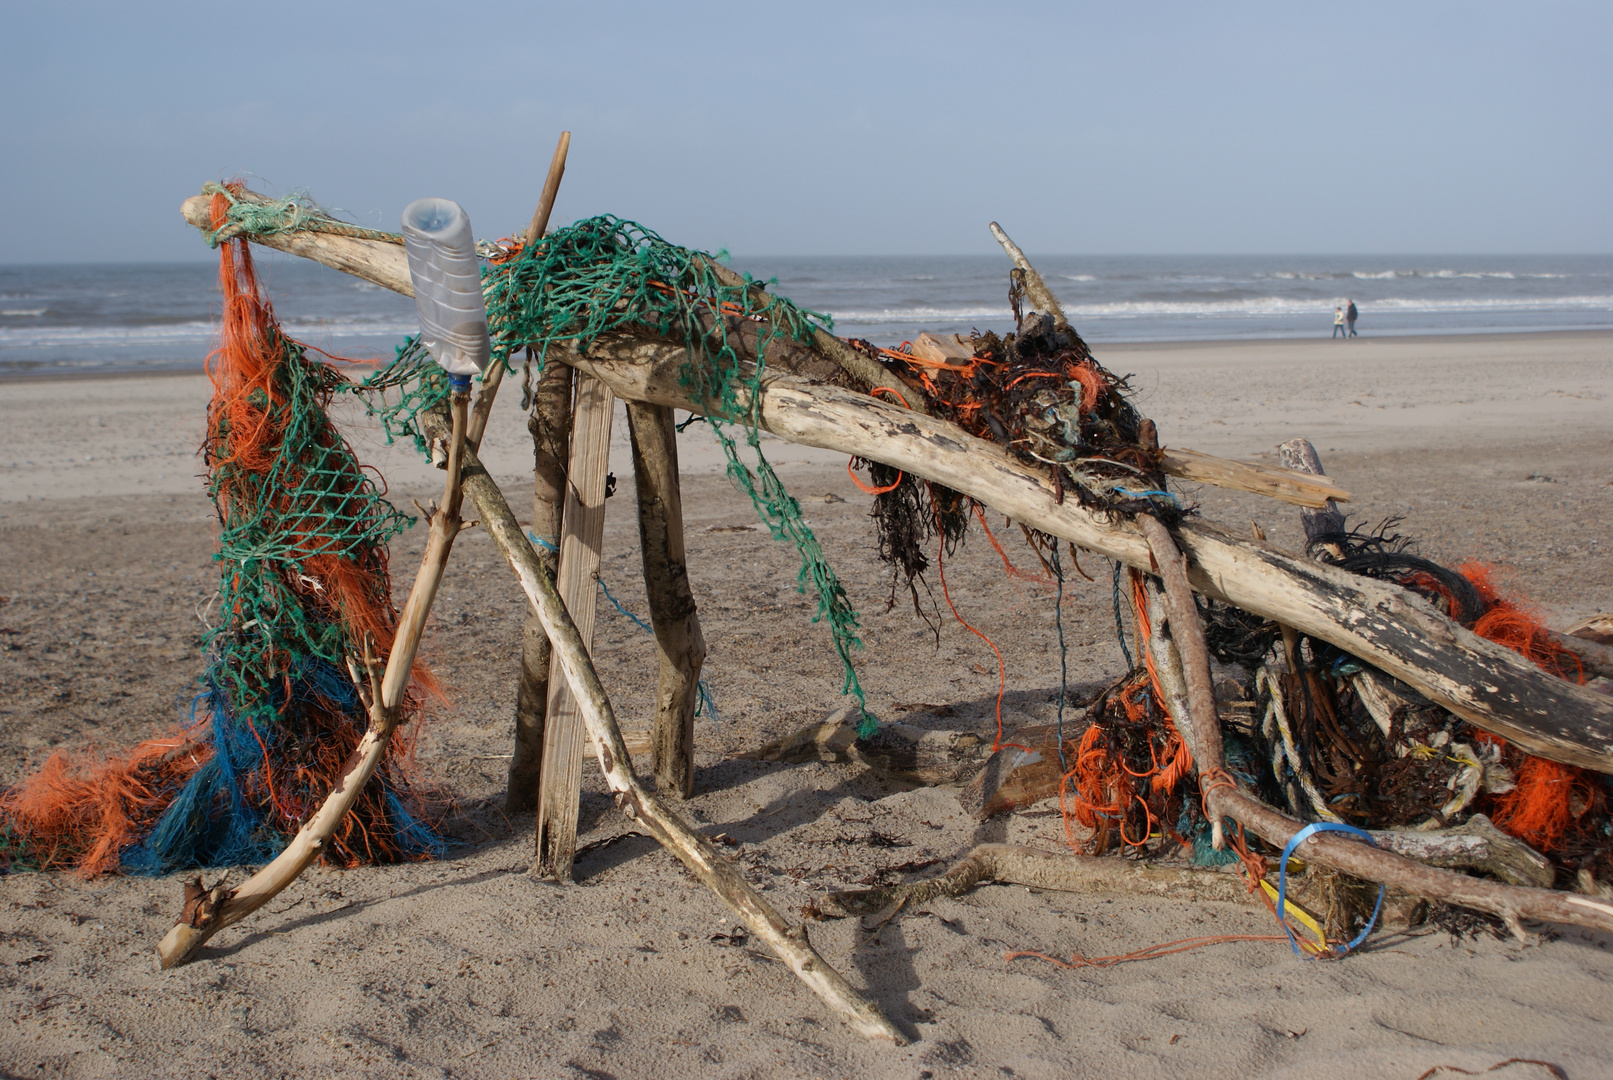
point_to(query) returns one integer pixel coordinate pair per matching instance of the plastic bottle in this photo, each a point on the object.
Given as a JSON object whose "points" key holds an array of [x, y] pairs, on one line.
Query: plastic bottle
{"points": [[447, 287]]}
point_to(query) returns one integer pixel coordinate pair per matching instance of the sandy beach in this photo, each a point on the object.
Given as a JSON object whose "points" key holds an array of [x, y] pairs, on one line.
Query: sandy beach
{"points": [[1493, 447]]}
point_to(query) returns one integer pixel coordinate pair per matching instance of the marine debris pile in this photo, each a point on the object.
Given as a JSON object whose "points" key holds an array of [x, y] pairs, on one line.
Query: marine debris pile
{"points": [[1396, 725]]}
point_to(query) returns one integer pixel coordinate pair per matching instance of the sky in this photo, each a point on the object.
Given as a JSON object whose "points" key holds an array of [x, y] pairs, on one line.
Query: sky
{"points": [[826, 128]]}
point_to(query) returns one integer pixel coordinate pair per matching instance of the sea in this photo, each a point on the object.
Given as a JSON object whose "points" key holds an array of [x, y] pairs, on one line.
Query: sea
{"points": [[124, 318]]}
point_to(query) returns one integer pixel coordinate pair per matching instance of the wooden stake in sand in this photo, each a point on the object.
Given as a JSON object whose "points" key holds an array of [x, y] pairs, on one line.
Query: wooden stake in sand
{"points": [[208, 910], [550, 427], [680, 647], [582, 533]]}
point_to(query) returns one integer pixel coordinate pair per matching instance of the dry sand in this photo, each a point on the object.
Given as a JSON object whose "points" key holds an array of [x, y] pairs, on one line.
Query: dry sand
{"points": [[1496, 447]]}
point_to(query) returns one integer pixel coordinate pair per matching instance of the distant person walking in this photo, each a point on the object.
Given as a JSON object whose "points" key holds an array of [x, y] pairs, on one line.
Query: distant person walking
{"points": [[1338, 323], [1349, 316]]}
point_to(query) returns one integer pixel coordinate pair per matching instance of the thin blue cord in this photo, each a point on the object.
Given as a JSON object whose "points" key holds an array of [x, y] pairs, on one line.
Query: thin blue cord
{"points": [[1282, 883], [706, 703], [642, 625]]}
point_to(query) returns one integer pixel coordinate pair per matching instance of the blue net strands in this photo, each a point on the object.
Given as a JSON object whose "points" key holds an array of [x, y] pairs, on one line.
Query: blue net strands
{"points": [[305, 595]]}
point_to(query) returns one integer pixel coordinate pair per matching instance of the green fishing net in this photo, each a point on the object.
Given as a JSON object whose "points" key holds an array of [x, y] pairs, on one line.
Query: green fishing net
{"points": [[605, 275]]}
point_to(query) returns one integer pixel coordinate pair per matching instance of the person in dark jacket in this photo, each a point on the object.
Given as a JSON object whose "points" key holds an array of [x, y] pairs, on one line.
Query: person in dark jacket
{"points": [[1349, 317]]}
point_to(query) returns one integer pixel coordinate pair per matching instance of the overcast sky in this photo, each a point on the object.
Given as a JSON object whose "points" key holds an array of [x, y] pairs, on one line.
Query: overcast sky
{"points": [[826, 128]]}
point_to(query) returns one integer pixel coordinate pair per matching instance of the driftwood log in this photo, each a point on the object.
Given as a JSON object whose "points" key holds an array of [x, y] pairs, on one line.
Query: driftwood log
{"points": [[1379, 623], [896, 752], [1015, 864]]}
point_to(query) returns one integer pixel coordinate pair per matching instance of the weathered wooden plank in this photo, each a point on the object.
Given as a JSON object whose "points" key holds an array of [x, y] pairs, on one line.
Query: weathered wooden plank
{"points": [[582, 533], [550, 427], [679, 645]]}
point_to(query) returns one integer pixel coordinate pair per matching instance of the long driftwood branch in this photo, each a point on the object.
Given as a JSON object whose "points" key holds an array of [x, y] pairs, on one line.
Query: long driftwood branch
{"points": [[692, 849], [1014, 864], [1176, 672], [494, 375], [1381, 624], [207, 911], [1378, 622]]}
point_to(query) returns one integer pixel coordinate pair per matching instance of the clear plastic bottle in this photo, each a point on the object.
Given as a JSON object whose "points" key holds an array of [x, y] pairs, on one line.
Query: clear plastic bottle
{"points": [[447, 286]]}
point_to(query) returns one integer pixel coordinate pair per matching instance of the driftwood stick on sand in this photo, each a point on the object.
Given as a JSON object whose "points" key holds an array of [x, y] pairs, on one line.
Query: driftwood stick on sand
{"points": [[550, 427], [1014, 864], [494, 375], [207, 911], [1223, 799], [693, 850], [1036, 290], [1381, 624], [679, 645]]}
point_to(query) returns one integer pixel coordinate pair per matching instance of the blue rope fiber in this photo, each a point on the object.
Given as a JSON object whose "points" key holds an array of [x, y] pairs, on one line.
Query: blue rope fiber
{"points": [[1282, 882], [211, 823], [617, 604], [1150, 495], [705, 705]]}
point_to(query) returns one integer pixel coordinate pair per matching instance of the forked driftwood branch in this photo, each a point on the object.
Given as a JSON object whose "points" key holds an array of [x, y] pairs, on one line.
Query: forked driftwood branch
{"points": [[208, 910]]}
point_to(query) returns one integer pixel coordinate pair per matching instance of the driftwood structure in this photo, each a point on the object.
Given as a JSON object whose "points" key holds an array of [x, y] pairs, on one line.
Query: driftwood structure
{"points": [[822, 392]]}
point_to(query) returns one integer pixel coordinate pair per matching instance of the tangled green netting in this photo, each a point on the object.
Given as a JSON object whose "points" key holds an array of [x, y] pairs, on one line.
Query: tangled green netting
{"points": [[604, 275]]}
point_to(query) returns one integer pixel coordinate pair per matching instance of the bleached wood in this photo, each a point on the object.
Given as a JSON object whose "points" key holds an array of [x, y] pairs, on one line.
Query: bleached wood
{"points": [[1382, 624], [384, 264], [582, 533], [1036, 290], [1289, 487]]}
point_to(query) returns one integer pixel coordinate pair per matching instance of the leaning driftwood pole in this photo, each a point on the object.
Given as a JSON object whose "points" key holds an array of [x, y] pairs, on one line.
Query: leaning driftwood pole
{"points": [[494, 375], [1381, 624], [1036, 290], [679, 645], [207, 911], [692, 849]]}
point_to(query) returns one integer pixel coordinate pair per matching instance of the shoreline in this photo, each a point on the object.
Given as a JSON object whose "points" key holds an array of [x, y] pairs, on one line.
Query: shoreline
{"points": [[1099, 348]]}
